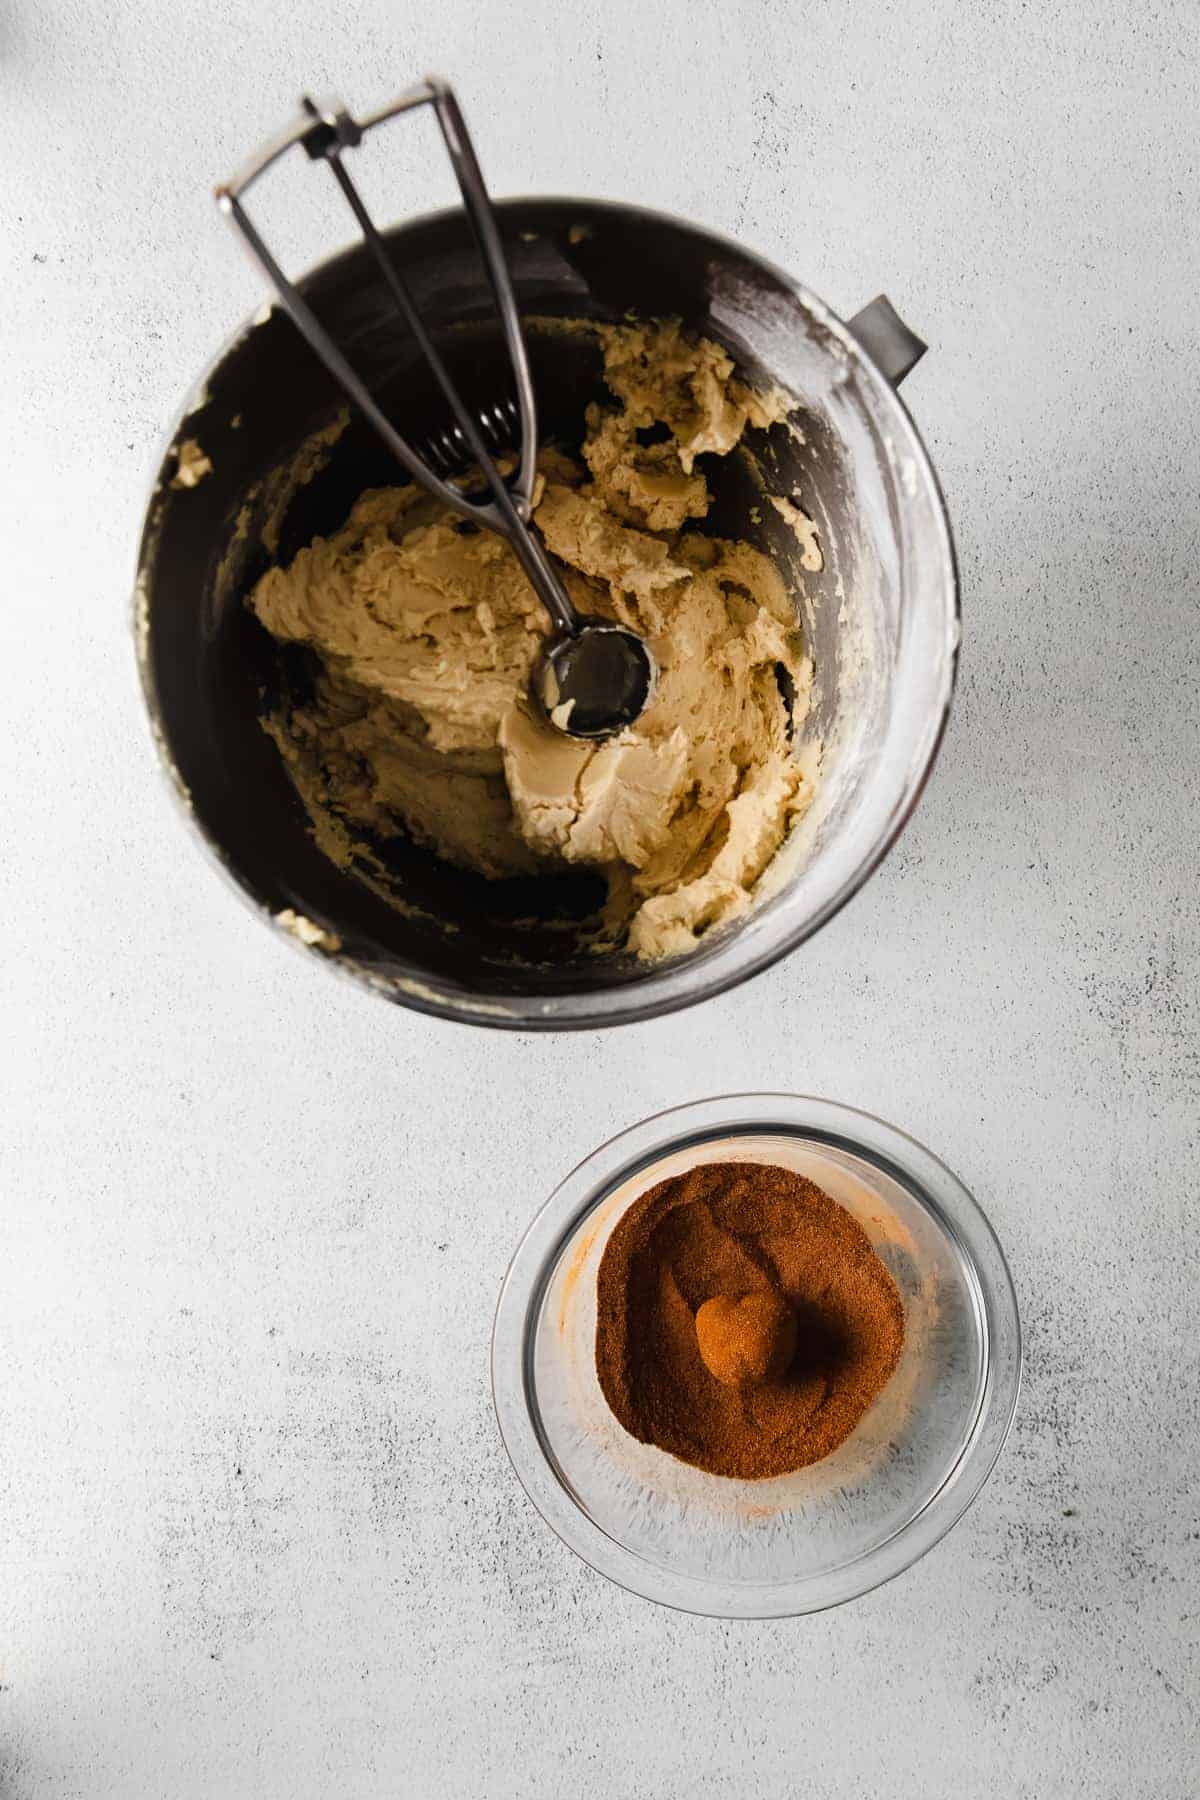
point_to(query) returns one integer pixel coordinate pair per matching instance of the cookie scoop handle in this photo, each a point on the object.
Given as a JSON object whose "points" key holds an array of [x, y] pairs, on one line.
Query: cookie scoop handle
{"points": [[325, 133], [593, 677]]}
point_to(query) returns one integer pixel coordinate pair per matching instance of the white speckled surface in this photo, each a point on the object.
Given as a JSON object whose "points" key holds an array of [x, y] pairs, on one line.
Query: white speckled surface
{"points": [[257, 1535]]}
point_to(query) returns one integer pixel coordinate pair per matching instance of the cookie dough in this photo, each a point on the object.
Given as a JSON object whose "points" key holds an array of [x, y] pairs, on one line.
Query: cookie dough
{"points": [[426, 632]]}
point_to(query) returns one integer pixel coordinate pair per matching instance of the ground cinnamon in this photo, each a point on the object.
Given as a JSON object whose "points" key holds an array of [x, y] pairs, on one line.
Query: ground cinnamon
{"points": [[755, 1389]]}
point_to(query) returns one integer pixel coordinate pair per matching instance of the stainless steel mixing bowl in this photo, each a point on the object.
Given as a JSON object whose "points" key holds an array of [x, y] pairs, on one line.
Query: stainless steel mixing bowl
{"points": [[881, 620]]}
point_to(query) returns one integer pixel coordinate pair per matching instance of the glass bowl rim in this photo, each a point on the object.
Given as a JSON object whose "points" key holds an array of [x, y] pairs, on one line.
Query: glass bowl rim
{"points": [[619, 1158]]}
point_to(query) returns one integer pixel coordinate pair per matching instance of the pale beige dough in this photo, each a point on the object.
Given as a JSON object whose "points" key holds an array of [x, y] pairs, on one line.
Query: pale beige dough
{"points": [[427, 630]]}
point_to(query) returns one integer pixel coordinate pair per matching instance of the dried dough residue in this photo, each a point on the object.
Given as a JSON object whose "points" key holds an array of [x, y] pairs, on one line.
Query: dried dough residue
{"points": [[191, 465]]}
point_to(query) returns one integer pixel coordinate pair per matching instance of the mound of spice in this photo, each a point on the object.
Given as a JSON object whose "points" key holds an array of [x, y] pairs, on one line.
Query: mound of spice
{"points": [[743, 1321]]}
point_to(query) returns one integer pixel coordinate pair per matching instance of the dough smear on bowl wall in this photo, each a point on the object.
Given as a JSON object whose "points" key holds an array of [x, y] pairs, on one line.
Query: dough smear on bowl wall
{"points": [[423, 631]]}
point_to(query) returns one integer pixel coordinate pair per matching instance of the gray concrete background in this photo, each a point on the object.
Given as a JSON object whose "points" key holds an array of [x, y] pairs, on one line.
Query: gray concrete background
{"points": [[258, 1536]]}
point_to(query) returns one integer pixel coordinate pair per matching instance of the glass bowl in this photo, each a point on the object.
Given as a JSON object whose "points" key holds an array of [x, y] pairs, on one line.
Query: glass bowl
{"points": [[822, 1535]]}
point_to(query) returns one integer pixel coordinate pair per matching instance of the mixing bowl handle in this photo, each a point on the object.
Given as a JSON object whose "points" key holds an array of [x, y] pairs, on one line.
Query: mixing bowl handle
{"points": [[885, 337]]}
